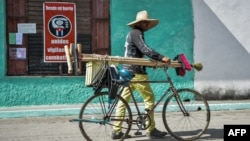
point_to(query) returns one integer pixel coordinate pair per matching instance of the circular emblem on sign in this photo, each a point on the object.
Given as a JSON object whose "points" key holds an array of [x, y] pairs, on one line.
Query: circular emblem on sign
{"points": [[59, 26]]}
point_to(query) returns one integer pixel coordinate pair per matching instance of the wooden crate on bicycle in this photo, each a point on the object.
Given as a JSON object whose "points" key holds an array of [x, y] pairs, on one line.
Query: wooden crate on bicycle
{"points": [[94, 71]]}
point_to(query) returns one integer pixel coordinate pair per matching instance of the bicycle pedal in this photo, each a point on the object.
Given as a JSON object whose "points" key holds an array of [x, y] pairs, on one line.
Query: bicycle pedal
{"points": [[138, 133]]}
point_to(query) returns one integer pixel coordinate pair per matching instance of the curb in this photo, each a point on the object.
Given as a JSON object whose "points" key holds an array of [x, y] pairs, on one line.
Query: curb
{"points": [[66, 110]]}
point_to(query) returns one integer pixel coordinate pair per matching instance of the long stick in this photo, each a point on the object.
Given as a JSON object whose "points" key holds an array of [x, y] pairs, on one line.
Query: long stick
{"points": [[128, 60]]}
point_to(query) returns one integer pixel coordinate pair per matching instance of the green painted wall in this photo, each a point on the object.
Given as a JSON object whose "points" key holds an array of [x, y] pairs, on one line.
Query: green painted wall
{"points": [[2, 39], [173, 35], [17, 91]]}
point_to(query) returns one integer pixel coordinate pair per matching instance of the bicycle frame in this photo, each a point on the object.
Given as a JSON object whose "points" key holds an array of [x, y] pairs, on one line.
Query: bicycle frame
{"points": [[175, 105], [170, 89]]}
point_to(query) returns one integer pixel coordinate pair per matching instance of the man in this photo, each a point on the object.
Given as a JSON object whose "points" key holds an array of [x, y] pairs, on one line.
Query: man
{"points": [[136, 47]]}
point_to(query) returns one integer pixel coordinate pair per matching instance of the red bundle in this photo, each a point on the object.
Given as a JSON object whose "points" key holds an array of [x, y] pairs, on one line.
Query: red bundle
{"points": [[181, 58]]}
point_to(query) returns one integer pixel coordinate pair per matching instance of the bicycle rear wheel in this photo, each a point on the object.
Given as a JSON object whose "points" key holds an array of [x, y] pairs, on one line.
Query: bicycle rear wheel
{"points": [[97, 117], [190, 125]]}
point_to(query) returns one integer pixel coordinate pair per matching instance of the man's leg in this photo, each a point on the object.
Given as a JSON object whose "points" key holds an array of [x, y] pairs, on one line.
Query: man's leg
{"points": [[120, 110], [148, 97]]}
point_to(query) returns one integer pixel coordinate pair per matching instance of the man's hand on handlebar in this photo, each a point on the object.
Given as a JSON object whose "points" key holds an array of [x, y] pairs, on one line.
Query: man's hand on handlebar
{"points": [[166, 60]]}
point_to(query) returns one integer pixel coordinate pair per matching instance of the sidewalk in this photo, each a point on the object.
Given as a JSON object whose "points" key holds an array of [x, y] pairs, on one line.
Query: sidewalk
{"points": [[67, 110], [58, 128], [51, 123]]}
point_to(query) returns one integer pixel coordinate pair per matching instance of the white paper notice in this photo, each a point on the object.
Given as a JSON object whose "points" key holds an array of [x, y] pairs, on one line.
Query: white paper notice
{"points": [[19, 38], [21, 53]]}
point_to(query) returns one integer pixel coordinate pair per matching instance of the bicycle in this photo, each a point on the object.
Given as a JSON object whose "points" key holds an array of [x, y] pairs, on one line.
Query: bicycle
{"points": [[185, 112]]}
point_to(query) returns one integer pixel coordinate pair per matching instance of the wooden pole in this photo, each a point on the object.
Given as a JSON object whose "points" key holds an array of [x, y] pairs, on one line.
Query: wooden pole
{"points": [[128, 60], [75, 56], [69, 61], [79, 51], [113, 59]]}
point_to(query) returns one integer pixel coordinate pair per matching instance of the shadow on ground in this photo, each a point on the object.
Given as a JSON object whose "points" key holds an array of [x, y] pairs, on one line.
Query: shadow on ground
{"points": [[210, 134]]}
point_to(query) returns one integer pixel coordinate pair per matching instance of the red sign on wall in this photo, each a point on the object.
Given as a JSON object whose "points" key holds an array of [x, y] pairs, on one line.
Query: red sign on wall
{"points": [[59, 29]]}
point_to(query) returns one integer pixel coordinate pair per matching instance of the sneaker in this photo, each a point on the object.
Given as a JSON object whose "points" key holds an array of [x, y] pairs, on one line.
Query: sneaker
{"points": [[156, 134], [118, 135]]}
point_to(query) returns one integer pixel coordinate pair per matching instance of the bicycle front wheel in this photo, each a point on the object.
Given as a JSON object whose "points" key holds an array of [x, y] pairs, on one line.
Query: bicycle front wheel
{"points": [[98, 114], [186, 115]]}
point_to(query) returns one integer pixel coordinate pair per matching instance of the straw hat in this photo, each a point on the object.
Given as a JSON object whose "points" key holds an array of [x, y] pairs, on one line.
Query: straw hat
{"points": [[143, 16]]}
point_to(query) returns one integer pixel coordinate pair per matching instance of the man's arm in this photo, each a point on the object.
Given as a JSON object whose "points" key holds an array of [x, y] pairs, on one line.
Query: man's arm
{"points": [[138, 40]]}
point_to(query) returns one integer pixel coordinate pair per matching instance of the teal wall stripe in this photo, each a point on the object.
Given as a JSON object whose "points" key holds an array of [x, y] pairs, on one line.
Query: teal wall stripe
{"points": [[66, 110]]}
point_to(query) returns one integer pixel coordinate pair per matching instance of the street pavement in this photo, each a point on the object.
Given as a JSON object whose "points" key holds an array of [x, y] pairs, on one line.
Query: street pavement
{"points": [[58, 128]]}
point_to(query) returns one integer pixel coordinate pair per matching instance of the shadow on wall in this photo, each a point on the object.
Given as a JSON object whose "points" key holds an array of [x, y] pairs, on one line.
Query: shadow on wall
{"points": [[225, 75], [223, 56]]}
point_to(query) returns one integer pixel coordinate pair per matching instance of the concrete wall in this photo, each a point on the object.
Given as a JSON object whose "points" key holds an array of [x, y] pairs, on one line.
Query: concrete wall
{"points": [[222, 45], [173, 35]]}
